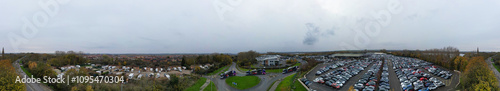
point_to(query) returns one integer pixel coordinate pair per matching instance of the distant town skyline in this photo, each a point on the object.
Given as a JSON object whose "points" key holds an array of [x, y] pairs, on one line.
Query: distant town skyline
{"points": [[219, 26]]}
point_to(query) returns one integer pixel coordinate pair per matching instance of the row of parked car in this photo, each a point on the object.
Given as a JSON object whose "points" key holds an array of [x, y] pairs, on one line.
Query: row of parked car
{"points": [[384, 79], [369, 80], [338, 77], [306, 82], [333, 66], [411, 77], [438, 72]]}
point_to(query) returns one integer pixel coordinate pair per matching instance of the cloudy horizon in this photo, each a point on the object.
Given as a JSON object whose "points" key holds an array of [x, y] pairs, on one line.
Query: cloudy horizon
{"points": [[231, 26]]}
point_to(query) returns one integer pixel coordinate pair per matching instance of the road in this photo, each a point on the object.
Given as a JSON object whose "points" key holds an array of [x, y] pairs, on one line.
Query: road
{"points": [[394, 82], [497, 74], [29, 86], [265, 80]]}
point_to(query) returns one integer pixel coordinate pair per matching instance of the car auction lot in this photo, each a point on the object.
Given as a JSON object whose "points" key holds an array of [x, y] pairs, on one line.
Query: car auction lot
{"points": [[393, 68], [322, 87]]}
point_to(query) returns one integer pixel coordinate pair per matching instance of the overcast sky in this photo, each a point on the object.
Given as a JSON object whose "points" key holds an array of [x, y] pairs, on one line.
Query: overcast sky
{"points": [[207, 26]]}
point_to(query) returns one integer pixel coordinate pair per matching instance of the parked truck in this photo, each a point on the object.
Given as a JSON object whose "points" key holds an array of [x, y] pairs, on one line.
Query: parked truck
{"points": [[290, 69]]}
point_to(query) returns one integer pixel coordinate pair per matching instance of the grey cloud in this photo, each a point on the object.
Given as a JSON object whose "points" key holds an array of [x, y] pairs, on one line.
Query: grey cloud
{"points": [[311, 35], [314, 33], [187, 26]]}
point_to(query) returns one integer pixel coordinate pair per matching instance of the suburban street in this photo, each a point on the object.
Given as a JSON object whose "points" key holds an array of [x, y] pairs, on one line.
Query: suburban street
{"points": [[490, 64], [29, 86]]}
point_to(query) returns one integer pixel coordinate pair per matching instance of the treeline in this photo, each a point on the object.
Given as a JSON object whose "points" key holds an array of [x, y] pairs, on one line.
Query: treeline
{"points": [[109, 60], [476, 75], [443, 57], [221, 59], [8, 77], [57, 60], [217, 60], [11, 57], [247, 58]]}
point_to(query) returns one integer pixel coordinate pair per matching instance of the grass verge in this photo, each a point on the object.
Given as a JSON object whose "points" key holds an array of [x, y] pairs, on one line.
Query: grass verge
{"points": [[210, 87], [218, 70], [197, 85], [271, 86], [285, 84], [24, 69], [243, 82], [496, 66]]}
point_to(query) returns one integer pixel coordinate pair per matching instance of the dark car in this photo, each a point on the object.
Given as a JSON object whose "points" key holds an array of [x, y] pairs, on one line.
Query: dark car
{"points": [[303, 79]]}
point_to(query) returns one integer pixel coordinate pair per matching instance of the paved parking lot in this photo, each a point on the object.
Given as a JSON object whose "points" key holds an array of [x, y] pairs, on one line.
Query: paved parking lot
{"points": [[450, 83], [394, 83], [322, 87]]}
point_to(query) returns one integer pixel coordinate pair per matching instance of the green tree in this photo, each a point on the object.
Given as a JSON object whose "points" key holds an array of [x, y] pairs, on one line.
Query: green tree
{"points": [[183, 61], [244, 57], [478, 76], [8, 77]]}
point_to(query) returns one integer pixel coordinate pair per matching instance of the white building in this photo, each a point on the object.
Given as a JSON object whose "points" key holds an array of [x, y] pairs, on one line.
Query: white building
{"points": [[270, 60]]}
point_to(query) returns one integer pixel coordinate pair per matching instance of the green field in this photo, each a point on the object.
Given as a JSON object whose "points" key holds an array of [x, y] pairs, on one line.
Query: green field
{"points": [[211, 87], [286, 83], [197, 85], [218, 70], [243, 82]]}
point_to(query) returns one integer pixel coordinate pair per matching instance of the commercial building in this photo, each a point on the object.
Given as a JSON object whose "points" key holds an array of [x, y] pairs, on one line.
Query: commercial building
{"points": [[270, 60], [347, 55]]}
